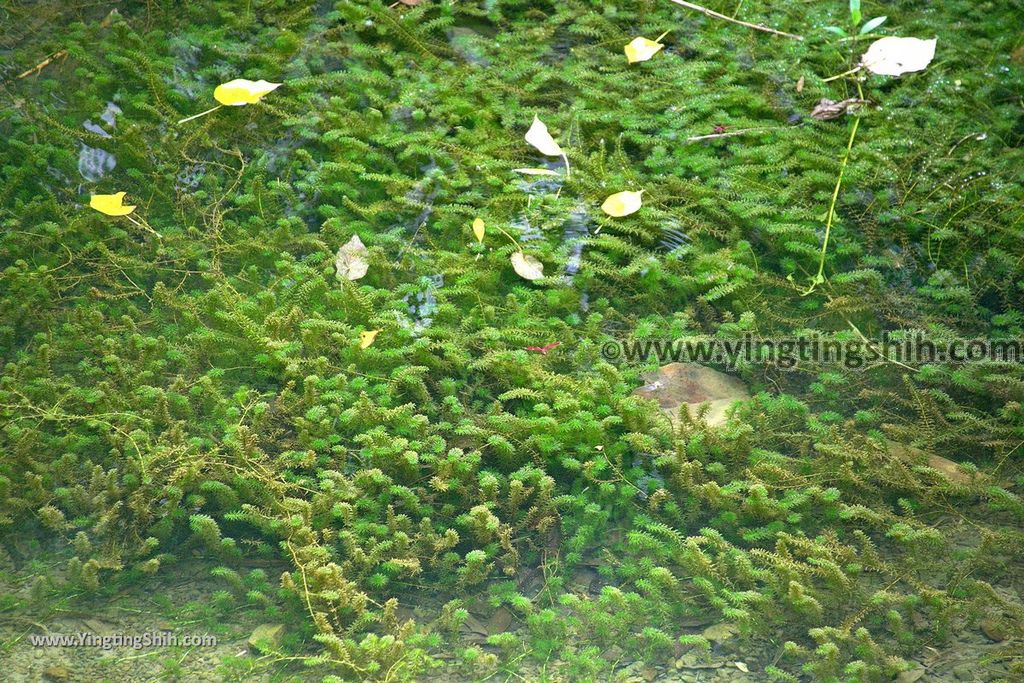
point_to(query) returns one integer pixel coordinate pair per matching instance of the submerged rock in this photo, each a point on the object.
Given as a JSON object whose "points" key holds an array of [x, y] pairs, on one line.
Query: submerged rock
{"points": [[56, 673], [719, 633], [678, 384], [911, 675], [944, 466], [264, 636], [994, 629]]}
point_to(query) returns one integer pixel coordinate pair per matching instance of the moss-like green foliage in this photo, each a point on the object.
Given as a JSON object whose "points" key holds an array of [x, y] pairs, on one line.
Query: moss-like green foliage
{"points": [[205, 391]]}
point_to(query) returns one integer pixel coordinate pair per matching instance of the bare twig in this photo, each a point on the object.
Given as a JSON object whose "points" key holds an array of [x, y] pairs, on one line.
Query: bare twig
{"points": [[757, 27], [741, 131], [976, 136], [845, 73], [43, 64]]}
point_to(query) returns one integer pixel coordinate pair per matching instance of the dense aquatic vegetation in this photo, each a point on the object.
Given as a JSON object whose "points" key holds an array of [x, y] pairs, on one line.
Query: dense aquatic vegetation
{"points": [[205, 389]]}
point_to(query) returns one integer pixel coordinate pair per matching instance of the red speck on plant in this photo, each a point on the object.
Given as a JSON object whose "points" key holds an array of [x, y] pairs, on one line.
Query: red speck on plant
{"points": [[543, 349]]}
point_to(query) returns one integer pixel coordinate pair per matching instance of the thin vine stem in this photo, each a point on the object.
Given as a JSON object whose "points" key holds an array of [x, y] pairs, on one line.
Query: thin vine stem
{"points": [[202, 113], [819, 277], [715, 15]]}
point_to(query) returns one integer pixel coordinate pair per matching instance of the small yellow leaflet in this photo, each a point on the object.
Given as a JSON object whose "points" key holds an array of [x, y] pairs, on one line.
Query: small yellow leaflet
{"points": [[622, 203], [242, 91], [366, 338], [641, 49], [111, 204]]}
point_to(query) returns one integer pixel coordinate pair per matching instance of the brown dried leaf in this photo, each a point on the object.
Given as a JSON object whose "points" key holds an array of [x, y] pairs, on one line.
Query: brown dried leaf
{"points": [[826, 109]]}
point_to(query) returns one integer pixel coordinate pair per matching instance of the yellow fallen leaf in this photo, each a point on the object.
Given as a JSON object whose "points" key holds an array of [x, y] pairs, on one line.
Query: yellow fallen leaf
{"points": [[478, 229], [110, 204], [242, 91], [527, 267], [350, 261], [366, 338], [641, 49], [535, 171], [622, 203]]}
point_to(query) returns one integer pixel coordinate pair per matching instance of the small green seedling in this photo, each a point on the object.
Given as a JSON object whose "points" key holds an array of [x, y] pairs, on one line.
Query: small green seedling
{"points": [[855, 19]]}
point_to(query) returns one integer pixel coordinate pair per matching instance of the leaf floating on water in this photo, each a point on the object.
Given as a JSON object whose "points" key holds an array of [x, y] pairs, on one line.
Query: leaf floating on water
{"points": [[539, 137], [478, 229], [350, 261], [535, 171], [641, 49], [527, 267], [366, 338], [622, 203], [111, 204], [243, 91], [893, 56]]}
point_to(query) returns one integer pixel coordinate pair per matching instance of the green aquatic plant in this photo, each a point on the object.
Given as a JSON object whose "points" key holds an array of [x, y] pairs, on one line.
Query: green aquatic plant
{"points": [[206, 391]]}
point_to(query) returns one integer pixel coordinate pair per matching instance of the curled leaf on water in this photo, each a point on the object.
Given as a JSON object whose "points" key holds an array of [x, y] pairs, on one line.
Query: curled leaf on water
{"points": [[367, 337], [539, 137], [622, 203], [243, 91], [641, 49], [894, 56], [535, 171], [527, 267], [350, 261], [111, 204], [478, 229]]}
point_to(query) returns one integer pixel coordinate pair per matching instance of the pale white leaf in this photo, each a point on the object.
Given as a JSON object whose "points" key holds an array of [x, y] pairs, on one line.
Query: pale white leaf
{"points": [[539, 137], [893, 56], [527, 267], [350, 261], [535, 171]]}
